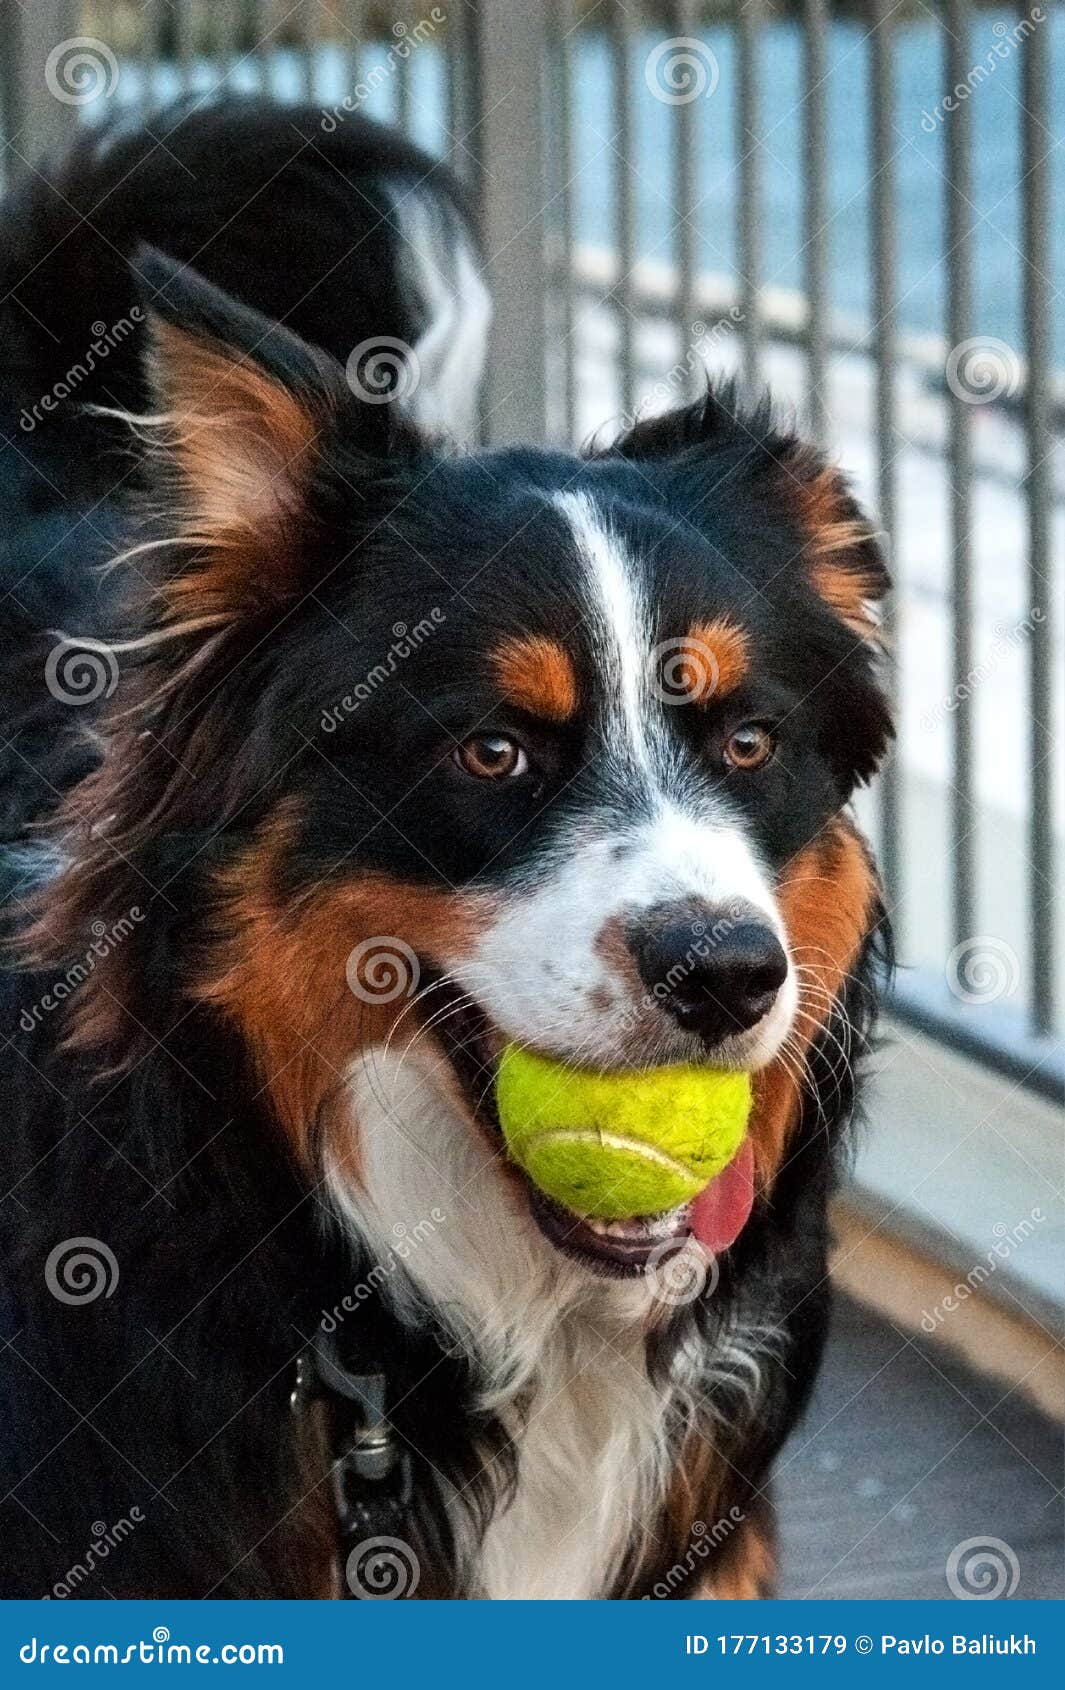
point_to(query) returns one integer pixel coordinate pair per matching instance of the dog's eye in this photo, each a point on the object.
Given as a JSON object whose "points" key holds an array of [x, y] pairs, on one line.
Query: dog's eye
{"points": [[491, 757], [750, 746]]}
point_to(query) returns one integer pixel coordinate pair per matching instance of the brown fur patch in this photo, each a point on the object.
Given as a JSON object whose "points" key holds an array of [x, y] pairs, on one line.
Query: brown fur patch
{"points": [[236, 447], [748, 1568], [827, 897], [843, 562], [280, 972], [711, 661], [537, 674]]}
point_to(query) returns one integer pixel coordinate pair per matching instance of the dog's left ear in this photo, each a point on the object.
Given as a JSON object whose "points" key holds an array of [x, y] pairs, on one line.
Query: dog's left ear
{"points": [[240, 409], [718, 441]]}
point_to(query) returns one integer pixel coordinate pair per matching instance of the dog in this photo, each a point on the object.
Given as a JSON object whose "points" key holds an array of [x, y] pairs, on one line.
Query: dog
{"points": [[414, 753]]}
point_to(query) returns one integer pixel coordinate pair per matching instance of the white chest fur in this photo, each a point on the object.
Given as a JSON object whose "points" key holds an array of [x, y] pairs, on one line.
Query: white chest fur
{"points": [[561, 1352]]}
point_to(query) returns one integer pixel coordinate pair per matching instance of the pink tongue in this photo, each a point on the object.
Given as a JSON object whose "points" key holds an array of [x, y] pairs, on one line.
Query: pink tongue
{"points": [[719, 1214]]}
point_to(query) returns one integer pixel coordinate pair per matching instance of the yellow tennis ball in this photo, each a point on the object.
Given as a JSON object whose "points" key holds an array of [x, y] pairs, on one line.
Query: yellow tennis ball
{"points": [[614, 1146]]}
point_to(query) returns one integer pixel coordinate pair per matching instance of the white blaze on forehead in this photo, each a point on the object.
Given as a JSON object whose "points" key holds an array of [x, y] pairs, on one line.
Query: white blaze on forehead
{"points": [[620, 622]]}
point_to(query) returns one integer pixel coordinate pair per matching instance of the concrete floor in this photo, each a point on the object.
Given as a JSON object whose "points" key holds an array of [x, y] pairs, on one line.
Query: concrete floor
{"points": [[903, 1455]]}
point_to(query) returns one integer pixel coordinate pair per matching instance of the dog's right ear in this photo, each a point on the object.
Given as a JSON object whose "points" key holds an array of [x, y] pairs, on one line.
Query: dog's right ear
{"points": [[240, 410]]}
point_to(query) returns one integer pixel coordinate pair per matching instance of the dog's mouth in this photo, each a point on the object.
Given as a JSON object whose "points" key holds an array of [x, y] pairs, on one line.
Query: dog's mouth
{"points": [[619, 1248]]}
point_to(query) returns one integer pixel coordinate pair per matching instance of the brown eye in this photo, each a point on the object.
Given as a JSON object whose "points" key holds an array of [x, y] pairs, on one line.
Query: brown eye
{"points": [[750, 746], [491, 757]]}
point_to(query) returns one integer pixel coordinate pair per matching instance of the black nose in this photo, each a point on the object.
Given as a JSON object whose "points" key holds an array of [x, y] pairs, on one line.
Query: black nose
{"points": [[716, 975]]}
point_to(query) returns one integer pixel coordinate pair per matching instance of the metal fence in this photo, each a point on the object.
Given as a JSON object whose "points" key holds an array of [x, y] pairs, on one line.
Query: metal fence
{"points": [[585, 129]]}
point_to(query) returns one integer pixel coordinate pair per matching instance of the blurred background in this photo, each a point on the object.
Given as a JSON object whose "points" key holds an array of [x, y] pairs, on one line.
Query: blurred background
{"points": [[860, 206]]}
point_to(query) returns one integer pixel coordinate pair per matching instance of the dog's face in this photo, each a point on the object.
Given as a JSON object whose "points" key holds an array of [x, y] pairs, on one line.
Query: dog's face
{"points": [[529, 747]]}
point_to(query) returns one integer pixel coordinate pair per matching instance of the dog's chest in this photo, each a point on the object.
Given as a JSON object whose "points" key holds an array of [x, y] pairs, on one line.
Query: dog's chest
{"points": [[591, 1460]]}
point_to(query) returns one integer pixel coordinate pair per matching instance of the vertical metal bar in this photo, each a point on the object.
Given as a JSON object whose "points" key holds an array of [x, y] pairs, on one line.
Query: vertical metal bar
{"points": [[624, 208], [184, 42], [884, 261], [563, 21], [1038, 142], [749, 29], [959, 329], [815, 212], [307, 20], [401, 60], [684, 20], [509, 86], [458, 47], [38, 120], [351, 37], [263, 44]]}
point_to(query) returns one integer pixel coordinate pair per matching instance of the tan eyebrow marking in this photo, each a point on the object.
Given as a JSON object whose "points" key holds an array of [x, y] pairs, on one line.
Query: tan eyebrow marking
{"points": [[536, 673], [710, 661]]}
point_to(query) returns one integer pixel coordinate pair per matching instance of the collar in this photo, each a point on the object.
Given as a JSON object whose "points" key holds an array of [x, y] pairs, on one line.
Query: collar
{"points": [[370, 1471]]}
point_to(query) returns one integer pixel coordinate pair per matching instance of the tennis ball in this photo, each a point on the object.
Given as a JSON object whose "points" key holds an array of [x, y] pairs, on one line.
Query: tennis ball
{"points": [[618, 1145]]}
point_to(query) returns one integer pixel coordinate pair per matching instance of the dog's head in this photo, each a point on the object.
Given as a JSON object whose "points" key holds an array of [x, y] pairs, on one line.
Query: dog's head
{"points": [[519, 746]]}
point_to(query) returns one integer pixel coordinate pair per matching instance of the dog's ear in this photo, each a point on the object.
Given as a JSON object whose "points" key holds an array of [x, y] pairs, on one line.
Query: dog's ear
{"points": [[240, 407], [717, 441]]}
